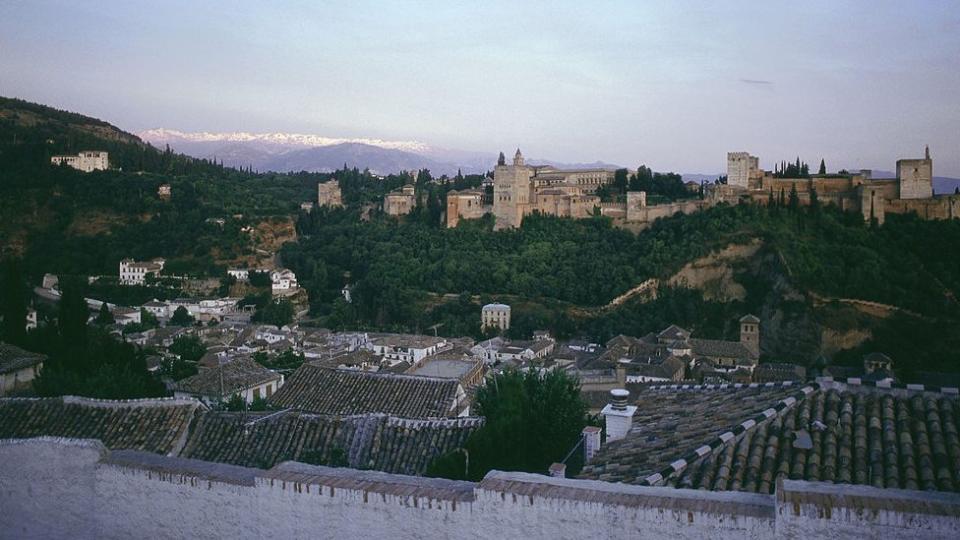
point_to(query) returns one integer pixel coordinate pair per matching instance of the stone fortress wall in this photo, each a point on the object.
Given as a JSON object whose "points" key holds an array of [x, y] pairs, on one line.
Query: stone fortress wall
{"points": [[51, 487]]}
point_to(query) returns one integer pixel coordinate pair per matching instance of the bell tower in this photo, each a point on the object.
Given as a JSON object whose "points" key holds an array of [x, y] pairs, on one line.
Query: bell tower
{"points": [[750, 334]]}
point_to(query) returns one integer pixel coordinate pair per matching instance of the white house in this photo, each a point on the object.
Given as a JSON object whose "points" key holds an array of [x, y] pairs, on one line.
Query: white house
{"points": [[283, 281], [18, 368], [241, 376], [124, 316], [135, 272], [241, 274], [405, 347], [157, 308], [86, 161]]}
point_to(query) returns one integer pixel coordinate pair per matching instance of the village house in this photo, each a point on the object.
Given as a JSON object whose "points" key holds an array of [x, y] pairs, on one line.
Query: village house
{"points": [[239, 376], [495, 316], [124, 316], [157, 308], [164, 192], [135, 272], [409, 348], [283, 281], [18, 368], [322, 390]]}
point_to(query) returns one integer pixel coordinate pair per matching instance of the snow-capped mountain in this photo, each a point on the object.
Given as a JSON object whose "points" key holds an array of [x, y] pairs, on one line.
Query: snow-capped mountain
{"points": [[302, 140], [291, 152]]}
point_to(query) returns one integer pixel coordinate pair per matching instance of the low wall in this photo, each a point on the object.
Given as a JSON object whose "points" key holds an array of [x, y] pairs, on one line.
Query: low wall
{"points": [[60, 487]]}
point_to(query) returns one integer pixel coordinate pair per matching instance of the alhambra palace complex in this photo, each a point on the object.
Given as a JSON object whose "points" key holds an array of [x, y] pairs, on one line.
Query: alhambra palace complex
{"points": [[520, 190]]}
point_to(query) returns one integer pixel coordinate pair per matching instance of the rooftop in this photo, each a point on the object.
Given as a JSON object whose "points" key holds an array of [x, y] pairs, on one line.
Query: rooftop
{"points": [[378, 442], [445, 368], [151, 425], [13, 358], [339, 391], [749, 437], [238, 374]]}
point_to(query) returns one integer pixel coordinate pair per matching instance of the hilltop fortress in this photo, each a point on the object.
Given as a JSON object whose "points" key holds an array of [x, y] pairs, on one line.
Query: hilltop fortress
{"points": [[520, 190], [910, 191]]}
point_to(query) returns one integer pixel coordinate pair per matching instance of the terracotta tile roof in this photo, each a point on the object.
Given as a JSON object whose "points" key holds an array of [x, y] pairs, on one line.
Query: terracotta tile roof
{"points": [[717, 347], [238, 374], [157, 426], [867, 436], [672, 422], [338, 391], [375, 442], [13, 358]]}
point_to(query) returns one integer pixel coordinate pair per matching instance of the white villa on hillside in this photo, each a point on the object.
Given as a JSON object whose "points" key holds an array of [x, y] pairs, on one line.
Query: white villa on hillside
{"points": [[135, 272], [86, 161]]}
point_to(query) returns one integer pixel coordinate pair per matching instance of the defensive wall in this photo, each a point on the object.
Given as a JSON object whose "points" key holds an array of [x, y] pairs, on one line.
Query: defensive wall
{"points": [[51, 487]]}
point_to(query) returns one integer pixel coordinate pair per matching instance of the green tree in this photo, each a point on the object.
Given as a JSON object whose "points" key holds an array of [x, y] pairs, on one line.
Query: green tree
{"points": [[532, 420], [177, 368], [73, 315], [794, 198], [104, 316], [278, 313], [189, 347], [13, 305], [823, 168], [181, 317]]}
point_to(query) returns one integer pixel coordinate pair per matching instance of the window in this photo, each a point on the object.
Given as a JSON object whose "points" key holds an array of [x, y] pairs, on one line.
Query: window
{"points": [[256, 393], [269, 390]]}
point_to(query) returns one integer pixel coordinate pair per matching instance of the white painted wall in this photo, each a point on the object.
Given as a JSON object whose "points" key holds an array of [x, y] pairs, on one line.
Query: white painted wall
{"points": [[68, 488]]}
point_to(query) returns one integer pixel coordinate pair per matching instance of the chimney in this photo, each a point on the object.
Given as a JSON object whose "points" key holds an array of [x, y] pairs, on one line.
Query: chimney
{"points": [[558, 470], [591, 442], [618, 415]]}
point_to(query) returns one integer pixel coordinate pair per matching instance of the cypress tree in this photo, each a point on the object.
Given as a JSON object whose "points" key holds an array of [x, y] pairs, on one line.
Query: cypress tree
{"points": [[13, 305], [823, 167]]}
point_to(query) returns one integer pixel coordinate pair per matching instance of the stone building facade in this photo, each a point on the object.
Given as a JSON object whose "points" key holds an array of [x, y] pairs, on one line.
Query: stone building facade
{"points": [[910, 191], [86, 161], [329, 194], [400, 202]]}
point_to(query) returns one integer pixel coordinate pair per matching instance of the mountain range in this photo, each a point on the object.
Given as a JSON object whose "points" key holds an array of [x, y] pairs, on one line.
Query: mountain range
{"points": [[291, 152]]}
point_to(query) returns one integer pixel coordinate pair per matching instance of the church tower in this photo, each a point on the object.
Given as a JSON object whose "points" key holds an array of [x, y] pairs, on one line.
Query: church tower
{"points": [[750, 334]]}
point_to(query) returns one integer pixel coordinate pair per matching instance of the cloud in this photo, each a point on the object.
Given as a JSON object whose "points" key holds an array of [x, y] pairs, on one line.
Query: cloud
{"points": [[755, 81]]}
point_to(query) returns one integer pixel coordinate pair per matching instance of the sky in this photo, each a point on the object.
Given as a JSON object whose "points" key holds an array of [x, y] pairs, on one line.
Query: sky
{"points": [[674, 85]]}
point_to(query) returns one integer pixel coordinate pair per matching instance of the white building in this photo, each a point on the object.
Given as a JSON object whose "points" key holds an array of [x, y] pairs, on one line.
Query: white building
{"points": [[18, 368], [495, 316], [241, 274], [86, 161], [135, 272], [405, 347], [157, 308], [283, 281], [31, 319], [124, 316]]}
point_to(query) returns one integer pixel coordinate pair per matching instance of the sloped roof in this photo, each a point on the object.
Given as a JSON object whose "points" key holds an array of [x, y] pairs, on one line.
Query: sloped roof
{"points": [[13, 358], [673, 333], [151, 425], [669, 423], [378, 442], [238, 374], [717, 347], [338, 391], [868, 436]]}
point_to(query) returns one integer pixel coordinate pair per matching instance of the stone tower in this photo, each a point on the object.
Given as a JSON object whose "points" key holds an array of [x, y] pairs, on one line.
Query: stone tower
{"points": [[915, 177], [511, 192], [750, 334]]}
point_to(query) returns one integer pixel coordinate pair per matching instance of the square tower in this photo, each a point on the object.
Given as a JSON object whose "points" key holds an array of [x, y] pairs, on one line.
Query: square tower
{"points": [[741, 167], [511, 192], [915, 177]]}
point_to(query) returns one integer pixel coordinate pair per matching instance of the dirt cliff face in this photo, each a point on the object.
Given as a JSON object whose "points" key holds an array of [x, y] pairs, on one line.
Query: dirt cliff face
{"points": [[793, 328]]}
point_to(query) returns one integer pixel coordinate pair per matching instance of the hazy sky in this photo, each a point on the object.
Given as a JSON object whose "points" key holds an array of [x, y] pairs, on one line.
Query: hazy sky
{"points": [[674, 85]]}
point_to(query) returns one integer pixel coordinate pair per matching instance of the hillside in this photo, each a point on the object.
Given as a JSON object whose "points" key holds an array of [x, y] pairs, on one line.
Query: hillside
{"points": [[64, 221]]}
